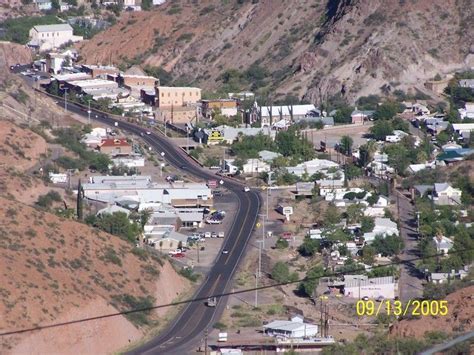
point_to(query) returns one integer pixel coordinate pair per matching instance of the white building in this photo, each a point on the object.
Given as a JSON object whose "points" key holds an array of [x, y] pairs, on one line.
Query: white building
{"points": [[445, 194], [255, 166], [359, 287], [294, 328], [467, 111], [285, 112], [44, 5], [330, 188], [134, 162], [314, 166], [442, 244], [47, 37], [383, 227]]}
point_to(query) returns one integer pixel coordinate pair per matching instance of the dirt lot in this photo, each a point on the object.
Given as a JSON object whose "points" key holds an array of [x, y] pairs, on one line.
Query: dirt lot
{"points": [[333, 135]]}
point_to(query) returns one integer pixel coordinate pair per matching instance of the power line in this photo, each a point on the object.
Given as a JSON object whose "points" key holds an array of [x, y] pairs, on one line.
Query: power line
{"points": [[200, 299]]}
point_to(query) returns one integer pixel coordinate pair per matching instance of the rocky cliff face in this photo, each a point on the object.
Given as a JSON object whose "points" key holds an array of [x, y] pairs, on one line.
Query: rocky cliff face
{"points": [[312, 49]]}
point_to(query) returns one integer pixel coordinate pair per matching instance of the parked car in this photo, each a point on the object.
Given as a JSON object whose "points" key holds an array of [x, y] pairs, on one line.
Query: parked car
{"points": [[207, 235], [225, 251], [365, 298], [246, 189], [217, 193], [148, 132], [213, 221], [220, 235], [213, 235]]}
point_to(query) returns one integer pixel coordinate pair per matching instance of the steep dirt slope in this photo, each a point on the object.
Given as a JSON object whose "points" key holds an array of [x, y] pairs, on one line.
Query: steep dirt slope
{"points": [[311, 48], [59, 270], [459, 318]]}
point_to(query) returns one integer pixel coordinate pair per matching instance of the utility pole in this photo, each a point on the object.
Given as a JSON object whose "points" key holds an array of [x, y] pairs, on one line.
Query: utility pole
{"points": [[223, 162], [259, 258], [197, 248], [65, 99], [187, 140], [321, 331], [205, 342], [326, 321], [262, 215], [256, 289]]}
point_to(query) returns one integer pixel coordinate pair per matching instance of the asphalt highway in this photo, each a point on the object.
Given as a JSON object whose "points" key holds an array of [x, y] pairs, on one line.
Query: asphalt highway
{"points": [[186, 332]]}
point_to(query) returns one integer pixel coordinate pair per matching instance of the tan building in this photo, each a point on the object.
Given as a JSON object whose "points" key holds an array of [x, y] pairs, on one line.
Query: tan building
{"points": [[167, 96], [115, 146], [177, 114], [138, 80], [227, 107], [99, 70]]}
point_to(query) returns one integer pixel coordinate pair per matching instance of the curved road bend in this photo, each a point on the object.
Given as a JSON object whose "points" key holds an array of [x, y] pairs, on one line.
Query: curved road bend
{"points": [[187, 330]]}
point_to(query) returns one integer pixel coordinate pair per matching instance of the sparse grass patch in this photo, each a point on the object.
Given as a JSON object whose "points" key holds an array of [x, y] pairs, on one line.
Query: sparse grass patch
{"points": [[136, 303]]}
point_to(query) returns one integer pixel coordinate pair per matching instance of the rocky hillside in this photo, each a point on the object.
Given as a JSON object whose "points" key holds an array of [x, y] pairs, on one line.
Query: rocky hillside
{"points": [[312, 49], [58, 270]]}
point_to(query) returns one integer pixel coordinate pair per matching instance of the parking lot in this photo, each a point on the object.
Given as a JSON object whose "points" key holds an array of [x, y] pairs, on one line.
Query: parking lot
{"points": [[212, 246]]}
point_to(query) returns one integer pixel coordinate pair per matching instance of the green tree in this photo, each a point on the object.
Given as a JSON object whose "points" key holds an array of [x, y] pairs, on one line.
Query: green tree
{"points": [[389, 245], [398, 157], [291, 143], [53, 88], [343, 114], [280, 272], [146, 5], [400, 124], [331, 216], [353, 172], [346, 145], [308, 285], [309, 247], [367, 224], [368, 254], [354, 213], [387, 110], [381, 129], [117, 223], [79, 204], [281, 243]]}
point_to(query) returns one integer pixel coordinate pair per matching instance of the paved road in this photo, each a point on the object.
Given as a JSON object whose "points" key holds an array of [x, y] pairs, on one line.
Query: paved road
{"points": [[187, 330], [410, 282]]}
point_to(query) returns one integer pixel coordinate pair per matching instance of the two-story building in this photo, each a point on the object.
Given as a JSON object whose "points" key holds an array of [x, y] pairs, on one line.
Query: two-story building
{"points": [[47, 37]]}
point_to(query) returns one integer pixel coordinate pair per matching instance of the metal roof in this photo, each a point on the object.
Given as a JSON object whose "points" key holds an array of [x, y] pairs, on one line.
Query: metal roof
{"points": [[53, 28]]}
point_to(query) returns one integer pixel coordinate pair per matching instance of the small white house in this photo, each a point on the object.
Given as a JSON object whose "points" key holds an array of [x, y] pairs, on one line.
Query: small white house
{"points": [[445, 194], [442, 244], [332, 187], [383, 227], [294, 328], [255, 166]]}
